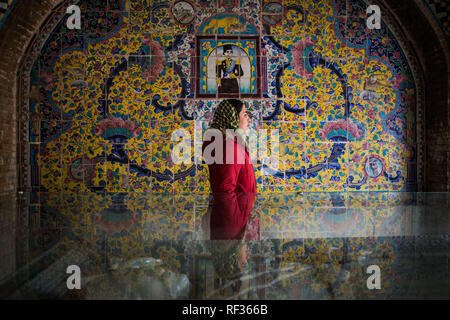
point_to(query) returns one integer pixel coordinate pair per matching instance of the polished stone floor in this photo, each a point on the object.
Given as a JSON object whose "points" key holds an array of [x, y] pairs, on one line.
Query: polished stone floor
{"points": [[292, 246]]}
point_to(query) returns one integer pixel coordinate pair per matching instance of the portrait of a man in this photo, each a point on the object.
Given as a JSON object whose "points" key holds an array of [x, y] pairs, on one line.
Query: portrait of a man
{"points": [[228, 71], [228, 67], [374, 167]]}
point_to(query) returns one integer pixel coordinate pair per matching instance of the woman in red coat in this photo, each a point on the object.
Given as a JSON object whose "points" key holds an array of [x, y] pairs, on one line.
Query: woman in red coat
{"points": [[232, 182], [233, 186]]}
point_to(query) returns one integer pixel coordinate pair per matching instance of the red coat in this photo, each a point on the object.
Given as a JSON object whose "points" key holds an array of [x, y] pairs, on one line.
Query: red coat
{"points": [[234, 189]]}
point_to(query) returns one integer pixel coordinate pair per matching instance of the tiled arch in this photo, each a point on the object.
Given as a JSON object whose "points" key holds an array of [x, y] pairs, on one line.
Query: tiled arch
{"points": [[37, 43]]}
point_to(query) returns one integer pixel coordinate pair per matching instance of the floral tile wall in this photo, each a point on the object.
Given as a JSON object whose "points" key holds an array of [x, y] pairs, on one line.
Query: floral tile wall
{"points": [[104, 100]]}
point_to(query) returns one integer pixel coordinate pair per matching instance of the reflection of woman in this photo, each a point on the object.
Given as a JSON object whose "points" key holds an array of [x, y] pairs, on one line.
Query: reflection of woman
{"points": [[229, 259], [228, 71], [229, 231]]}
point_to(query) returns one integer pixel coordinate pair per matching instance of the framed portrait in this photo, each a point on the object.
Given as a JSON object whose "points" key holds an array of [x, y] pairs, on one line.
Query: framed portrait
{"points": [[228, 67]]}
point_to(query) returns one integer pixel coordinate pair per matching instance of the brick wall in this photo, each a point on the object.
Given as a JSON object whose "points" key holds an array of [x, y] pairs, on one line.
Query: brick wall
{"points": [[15, 35], [17, 31]]}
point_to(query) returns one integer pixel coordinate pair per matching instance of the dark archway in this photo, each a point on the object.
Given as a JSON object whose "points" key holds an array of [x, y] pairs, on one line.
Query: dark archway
{"points": [[430, 46], [18, 31]]}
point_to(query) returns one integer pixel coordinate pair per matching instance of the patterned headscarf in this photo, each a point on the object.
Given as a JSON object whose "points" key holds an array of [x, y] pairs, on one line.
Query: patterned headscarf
{"points": [[226, 117], [225, 257]]}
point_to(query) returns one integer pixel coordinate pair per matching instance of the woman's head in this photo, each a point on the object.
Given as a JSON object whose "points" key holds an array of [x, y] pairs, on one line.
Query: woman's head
{"points": [[231, 114]]}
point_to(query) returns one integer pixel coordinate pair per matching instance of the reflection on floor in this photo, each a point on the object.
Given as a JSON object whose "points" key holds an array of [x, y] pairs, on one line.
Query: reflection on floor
{"points": [[295, 246]]}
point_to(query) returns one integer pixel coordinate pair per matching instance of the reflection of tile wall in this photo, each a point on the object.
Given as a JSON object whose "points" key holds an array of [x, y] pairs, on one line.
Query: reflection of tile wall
{"points": [[316, 231], [104, 100], [156, 217]]}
